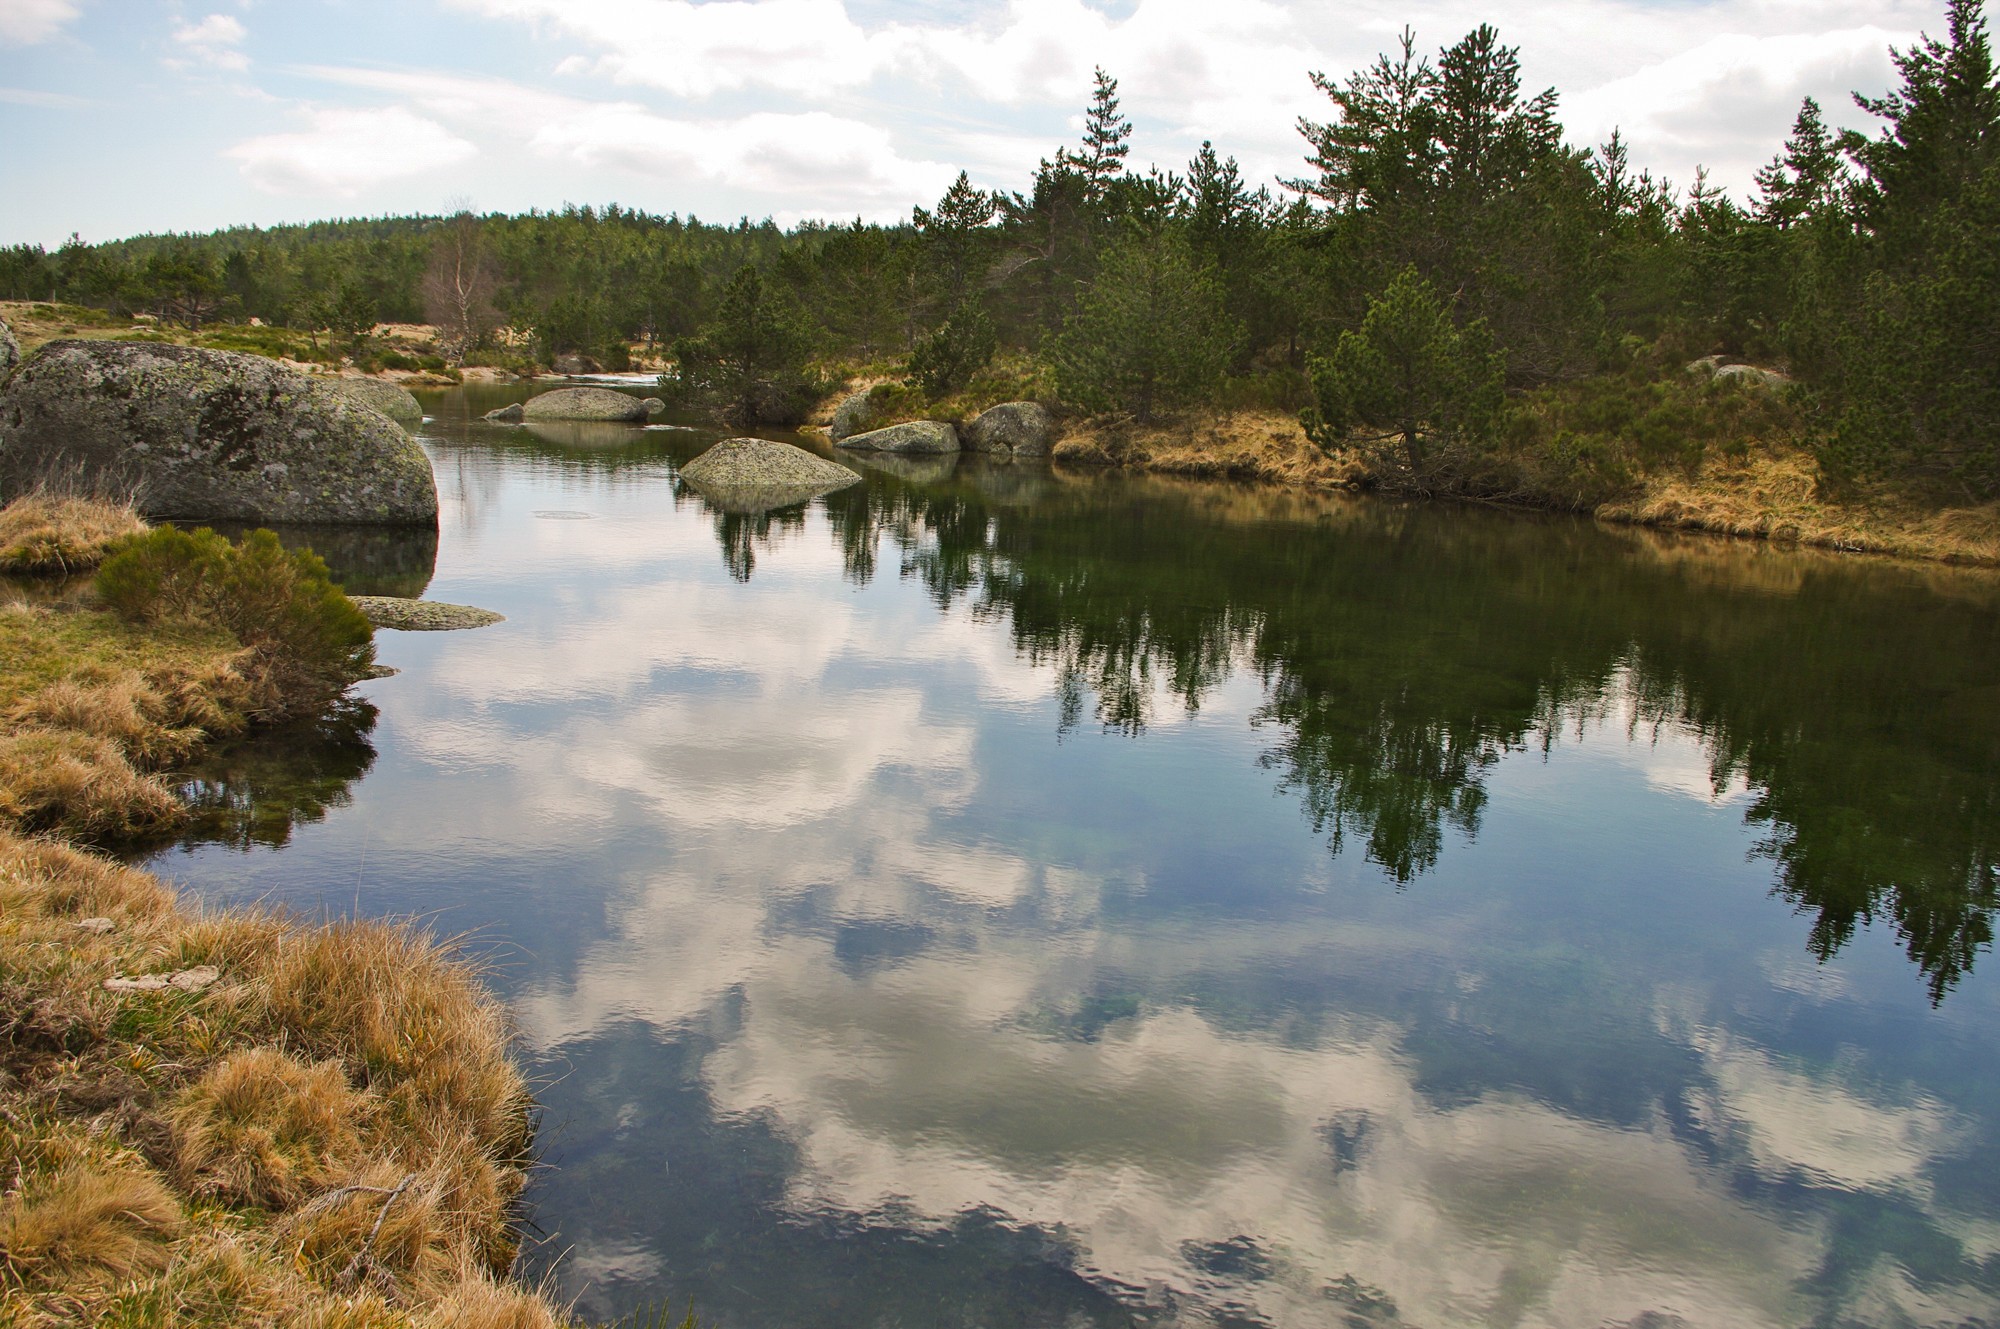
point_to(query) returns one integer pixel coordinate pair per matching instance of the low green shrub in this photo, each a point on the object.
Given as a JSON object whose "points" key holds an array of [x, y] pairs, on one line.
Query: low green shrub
{"points": [[307, 641]]}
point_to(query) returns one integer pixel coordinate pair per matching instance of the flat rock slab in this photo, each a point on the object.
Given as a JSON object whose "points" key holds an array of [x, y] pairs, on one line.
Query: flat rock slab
{"points": [[389, 611], [210, 435], [184, 980], [584, 404], [919, 436]]}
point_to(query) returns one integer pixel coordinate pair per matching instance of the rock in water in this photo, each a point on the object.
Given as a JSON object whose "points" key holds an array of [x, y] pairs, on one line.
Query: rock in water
{"points": [[856, 414], [10, 351], [584, 404], [913, 436], [758, 474], [392, 399], [1014, 428], [511, 414], [389, 611], [209, 434], [653, 405]]}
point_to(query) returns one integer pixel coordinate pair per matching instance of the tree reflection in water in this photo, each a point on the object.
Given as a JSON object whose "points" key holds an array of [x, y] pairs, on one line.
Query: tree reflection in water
{"points": [[1403, 650]]}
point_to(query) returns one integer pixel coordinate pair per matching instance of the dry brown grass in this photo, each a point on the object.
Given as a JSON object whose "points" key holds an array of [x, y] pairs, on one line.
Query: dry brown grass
{"points": [[263, 1128], [79, 751], [51, 533], [334, 1133], [1263, 445], [1769, 493], [1773, 494], [87, 1225], [82, 785]]}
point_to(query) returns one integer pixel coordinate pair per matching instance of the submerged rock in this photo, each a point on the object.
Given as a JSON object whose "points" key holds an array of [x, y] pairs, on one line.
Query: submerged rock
{"points": [[392, 399], [209, 434], [10, 351], [1016, 428], [757, 474], [388, 611], [510, 414], [584, 404], [931, 436]]}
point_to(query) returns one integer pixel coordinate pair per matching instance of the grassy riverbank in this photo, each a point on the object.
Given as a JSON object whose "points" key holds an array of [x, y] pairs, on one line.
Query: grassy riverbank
{"points": [[1665, 449], [221, 1117], [1766, 490]]}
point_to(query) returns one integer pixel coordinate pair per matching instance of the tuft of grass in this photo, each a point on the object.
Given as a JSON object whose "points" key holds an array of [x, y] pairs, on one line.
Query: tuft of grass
{"points": [[263, 1128], [87, 1225], [333, 1133], [81, 785], [49, 533]]}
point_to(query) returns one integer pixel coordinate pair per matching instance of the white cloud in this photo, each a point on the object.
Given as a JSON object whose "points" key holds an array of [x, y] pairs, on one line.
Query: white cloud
{"points": [[212, 43], [844, 165], [1705, 83], [344, 151], [25, 22]]}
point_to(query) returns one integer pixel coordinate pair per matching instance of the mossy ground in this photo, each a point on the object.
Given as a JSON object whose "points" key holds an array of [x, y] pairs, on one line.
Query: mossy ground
{"points": [[317, 1124]]}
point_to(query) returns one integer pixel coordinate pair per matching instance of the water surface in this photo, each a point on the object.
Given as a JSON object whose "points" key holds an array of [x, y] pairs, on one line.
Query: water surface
{"points": [[991, 896]]}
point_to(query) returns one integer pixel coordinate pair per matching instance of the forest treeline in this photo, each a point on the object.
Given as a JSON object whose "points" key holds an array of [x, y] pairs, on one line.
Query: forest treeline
{"points": [[1448, 288]]}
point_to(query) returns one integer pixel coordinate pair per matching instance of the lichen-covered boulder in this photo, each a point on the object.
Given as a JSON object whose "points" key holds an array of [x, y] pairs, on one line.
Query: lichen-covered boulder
{"points": [[584, 404], [1014, 428], [653, 405], [510, 414], [757, 474], [209, 434], [10, 351], [856, 414], [392, 399], [912, 436]]}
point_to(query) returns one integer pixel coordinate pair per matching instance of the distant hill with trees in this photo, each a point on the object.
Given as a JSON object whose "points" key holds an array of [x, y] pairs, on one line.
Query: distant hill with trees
{"points": [[1449, 289]]}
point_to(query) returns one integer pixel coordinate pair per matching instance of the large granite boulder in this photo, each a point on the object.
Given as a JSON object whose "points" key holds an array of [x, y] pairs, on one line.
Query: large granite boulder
{"points": [[856, 414], [751, 475], [10, 351], [209, 434], [1013, 428], [584, 404], [392, 399], [930, 436]]}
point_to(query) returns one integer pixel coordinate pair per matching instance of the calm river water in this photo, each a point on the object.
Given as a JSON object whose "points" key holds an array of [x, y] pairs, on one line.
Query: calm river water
{"points": [[992, 897]]}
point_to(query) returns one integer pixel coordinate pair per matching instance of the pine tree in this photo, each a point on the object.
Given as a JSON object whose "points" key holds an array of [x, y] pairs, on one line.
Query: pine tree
{"points": [[1424, 386], [1806, 182], [1105, 135], [1942, 131], [1150, 334]]}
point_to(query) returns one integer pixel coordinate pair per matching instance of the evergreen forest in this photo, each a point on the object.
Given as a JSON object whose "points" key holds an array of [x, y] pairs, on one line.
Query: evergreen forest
{"points": [[1448, 287]]}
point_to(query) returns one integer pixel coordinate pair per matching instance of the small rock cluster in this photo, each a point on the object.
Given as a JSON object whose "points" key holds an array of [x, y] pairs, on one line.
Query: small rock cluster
{"points": [[1011, 429]]}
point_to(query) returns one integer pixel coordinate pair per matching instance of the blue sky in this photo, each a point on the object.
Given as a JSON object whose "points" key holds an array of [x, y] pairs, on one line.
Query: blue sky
{"points": [[125, 116]]}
